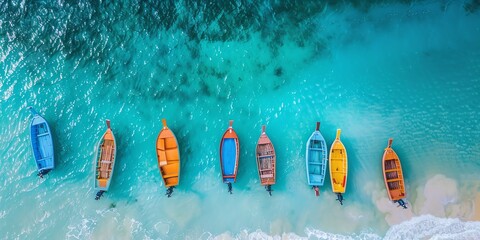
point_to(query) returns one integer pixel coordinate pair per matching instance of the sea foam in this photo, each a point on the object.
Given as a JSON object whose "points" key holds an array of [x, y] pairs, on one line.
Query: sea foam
{"points": [[421, 227]]}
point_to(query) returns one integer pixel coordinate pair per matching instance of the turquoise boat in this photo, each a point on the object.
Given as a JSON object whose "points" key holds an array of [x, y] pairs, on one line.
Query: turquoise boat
{"points": [[316, 159], [42, 144], [229, 155]]}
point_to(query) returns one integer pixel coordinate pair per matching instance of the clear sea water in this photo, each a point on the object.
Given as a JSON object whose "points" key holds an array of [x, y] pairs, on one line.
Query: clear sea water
{"points": [[408, 70]]}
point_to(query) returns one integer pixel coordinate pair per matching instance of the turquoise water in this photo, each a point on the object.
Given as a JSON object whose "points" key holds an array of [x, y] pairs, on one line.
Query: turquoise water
{"points": [[407, 70]]}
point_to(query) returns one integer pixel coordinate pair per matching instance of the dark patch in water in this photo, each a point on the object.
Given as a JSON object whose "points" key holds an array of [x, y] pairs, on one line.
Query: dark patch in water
{"points": [[153, 15], [113, 205], [183, 79], [472, 6], [194, 51], [206, 71], [278, 71], [104, 36], [204, 89], [101, 25]]}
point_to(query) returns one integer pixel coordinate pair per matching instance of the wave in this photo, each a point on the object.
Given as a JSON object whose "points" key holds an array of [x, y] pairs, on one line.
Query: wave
{"points": [[421, 227], [431, 227]]}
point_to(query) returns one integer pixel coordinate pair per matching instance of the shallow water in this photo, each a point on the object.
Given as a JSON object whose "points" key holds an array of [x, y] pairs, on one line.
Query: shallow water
{"points": [[410, 71]]}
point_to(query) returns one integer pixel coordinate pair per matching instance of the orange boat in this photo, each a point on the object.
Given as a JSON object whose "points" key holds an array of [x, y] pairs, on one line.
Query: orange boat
{"points": [[393, 176], [168, 157], [266, 161], [105, 161], [229, 155]]}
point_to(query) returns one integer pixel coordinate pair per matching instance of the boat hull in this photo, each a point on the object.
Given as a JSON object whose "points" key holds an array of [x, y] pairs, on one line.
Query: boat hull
{"points": [[316, 159], [168, 156], [338, 165], [105, 156], [42, 144], [393, 174], [229, 155], [266, 160]]}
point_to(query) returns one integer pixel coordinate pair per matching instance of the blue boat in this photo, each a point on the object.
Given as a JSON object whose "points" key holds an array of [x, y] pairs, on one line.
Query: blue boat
{"points": [[42, 144], [229, 155], [316, 159]]}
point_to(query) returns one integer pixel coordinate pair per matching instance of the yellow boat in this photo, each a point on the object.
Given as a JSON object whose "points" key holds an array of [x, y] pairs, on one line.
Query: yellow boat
{"points": [[338, 167], [168, 157]]}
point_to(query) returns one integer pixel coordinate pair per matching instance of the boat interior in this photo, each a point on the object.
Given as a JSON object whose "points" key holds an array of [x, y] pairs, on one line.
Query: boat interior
{"points": [[106, 160], [266, 160], [169, 160], [229, 156], [41, 146], [339, 172], [394, 178]]}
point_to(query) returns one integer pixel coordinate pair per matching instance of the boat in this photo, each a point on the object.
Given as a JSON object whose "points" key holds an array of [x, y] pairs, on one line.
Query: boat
{"points": [[42, 144], [316, 160], [266, 160], [106, 152], [338, 167], [168, 158], [393, 175], [229, 155]]}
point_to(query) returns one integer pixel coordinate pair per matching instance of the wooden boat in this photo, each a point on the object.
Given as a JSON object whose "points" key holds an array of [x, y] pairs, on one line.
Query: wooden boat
{"points": [[316, 160], [168, 157], [42, 144], [266, 160], [229, 155], [393, 176], [105, 155], [338, 167]]}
